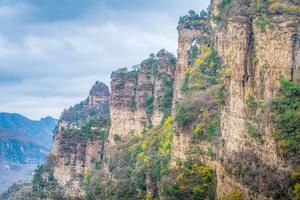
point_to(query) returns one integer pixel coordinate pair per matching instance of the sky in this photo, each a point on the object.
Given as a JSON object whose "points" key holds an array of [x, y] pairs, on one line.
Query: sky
{"points": [[52, 51]]}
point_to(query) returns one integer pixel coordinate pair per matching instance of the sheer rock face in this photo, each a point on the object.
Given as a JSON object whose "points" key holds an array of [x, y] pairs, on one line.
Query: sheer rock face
{"points": [[98, 94], [257, 58], [131, 91], [186, 38], [74, 153]]}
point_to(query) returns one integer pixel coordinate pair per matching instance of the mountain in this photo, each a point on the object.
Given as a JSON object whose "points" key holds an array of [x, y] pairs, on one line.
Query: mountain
{"points": [[220, 121], [24, 144]]}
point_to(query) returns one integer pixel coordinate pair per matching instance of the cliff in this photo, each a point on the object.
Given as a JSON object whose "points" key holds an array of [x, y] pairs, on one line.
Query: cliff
{"points": [[257, 44], [142, 98], [220, 123], [79, 139]]}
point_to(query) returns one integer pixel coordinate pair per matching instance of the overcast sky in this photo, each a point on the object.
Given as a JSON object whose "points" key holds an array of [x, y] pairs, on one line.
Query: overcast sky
{"points": [[52, 51]]}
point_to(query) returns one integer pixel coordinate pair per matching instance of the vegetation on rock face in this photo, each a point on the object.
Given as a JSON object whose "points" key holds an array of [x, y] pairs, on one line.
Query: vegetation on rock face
{"points": [[235, 195], [286, 120], [253, 131], [44, 185], [136, 168], [206, 95], [193, 181], [149, 107], [165, 104], [208, 71], [223, 4], [193, 19], [96, 127], [259, 177]]}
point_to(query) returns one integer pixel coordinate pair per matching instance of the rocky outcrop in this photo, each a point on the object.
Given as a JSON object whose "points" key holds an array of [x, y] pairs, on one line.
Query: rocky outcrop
{"points": [[228, 70], [258, 56], [138, 96], [256, 49], [78, 143], [188, 36]]}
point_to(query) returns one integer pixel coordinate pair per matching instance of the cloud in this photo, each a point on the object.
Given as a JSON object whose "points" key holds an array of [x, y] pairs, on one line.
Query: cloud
{"points": [[49, 65]]}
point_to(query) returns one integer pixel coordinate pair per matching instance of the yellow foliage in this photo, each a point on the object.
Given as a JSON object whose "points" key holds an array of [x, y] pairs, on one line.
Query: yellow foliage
{"points": [[87, 174], [228, 72], [168, 122], [149, 196], [144, 145], [296, 173], [297, 191], [197, 189], [144, 158], [234, 195], [180, 177], [198, 129], [282, 145], [283, 6], [189, 70]]}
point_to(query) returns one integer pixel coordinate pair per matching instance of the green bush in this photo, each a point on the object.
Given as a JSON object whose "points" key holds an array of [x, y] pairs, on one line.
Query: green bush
{"points": [[253, 131], [193, 181], [183, 116], [101, 126], [224, 4], [234, 195], [45, 187], [193, 19], [251, 103], [262, 22], [149, 105], [260, 5], [217, 18], [206, 130], [185, 86], [286, 120], [165, 105], [220, 96], [117, 138]]}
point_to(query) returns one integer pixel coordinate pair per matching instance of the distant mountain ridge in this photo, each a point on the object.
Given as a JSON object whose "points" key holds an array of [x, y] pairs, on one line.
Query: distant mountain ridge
{"points": [[24, 144], [16, 125]]}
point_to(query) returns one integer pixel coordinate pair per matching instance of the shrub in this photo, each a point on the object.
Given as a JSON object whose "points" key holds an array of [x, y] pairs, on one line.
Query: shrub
{"points": [[149, 105], [183, 117], [251, 103], [234, 195], [297, 190], [253, 131], [286, 120], [260, 5], [220, 96], [185, 86], [262, 22], [165, 105], [193, 181], [224, 4], [117, 138], [217, 18], [193, 19], [103, 134], [206, 130], [95, 127]]}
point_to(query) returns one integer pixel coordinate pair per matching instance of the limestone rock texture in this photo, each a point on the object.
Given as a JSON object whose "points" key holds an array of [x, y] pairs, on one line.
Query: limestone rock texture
{"points": [[136, 95], [74, 154], [257, 57]]}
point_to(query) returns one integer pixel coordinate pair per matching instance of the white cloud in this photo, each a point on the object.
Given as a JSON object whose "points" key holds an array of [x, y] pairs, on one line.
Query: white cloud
{"points": [[52, 65]]}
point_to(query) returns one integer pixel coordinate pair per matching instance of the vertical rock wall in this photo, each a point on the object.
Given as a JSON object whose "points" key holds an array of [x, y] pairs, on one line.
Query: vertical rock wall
{"points": [[133, 91], [74, 153]]}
